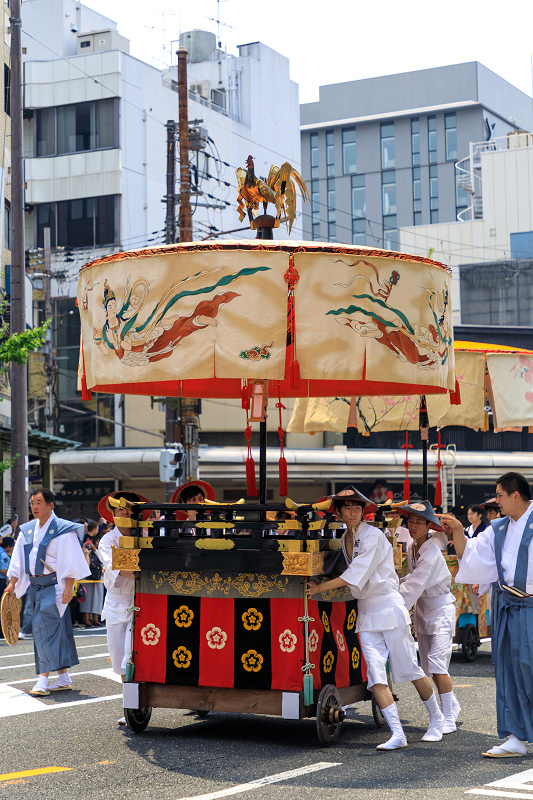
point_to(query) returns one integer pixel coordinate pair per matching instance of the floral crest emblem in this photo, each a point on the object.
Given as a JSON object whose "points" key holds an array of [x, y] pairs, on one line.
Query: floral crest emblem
{"points": [[150, 634], [355, 658], [418, 506], [352, 616], [182, 657], [252, 661], [313, 641], [252, 619], [183, 617], [340, 641], [329, 660], [287, 641], [325, 622], [216, 638]]}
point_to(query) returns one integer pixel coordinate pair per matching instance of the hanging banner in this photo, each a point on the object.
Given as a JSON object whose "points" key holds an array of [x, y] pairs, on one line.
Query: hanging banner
{"points": [[374, 319], [470, 374], [375, 414], [511, 389], [178, 315]]}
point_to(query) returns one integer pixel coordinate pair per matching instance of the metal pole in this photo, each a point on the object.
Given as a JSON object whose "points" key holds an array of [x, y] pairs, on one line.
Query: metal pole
{"points": [[19, 386], [48, 359], [424, 435], [170, 238], [262, 462]]}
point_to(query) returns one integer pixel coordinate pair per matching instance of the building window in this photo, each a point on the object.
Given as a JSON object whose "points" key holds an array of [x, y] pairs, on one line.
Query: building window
{"points": [[330, 154], [313, 140], [433, 194], [388, 159], [388, 180], [450, 129], [432, 140], [86, 222], [331, 210], [358, 210], [415, 142], [417, 197], [349, 151], [7, 226], [7, 90], [77, 128], [462, 199], [315, 211], [390, 233]]}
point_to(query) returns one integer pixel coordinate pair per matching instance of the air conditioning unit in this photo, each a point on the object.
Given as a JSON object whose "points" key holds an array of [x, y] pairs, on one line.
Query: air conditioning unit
{"points": [[202, 88]]}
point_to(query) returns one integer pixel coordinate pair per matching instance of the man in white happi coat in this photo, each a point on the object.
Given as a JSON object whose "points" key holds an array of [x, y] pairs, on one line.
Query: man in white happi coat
{"points": [[120, 584], [46, 562], [502, 554], [383, 623]]}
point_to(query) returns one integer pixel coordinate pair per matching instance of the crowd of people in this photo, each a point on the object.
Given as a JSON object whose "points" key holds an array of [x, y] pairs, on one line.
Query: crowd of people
{"points": [[45, 563]]}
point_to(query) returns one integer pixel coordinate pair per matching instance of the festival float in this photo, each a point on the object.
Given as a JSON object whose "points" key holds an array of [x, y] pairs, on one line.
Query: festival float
{"points": [[220, 619]]}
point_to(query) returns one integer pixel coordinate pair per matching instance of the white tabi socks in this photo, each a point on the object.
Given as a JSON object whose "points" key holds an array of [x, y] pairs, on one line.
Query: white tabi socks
{"points": [[436, 721], [41, 687], [397, 740], [62, 682], [450, 709], [513, 747]]}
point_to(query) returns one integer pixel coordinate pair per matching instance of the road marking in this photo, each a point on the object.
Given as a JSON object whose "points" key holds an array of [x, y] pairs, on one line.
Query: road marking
{"points": [[520, 780], [462, 685], [27, 773], [14, 702], [72, 675], [32, 663], [496, 793], [280, 776], [78, 647], [82, 702]]}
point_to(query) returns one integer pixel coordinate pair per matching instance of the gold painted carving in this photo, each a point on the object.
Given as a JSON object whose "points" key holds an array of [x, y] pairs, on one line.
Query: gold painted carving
{"points": [[217, 525], [290, 546], [126, 559], [247, 585], [303, 564], [145, 541], [215, 544], [128, 542]]}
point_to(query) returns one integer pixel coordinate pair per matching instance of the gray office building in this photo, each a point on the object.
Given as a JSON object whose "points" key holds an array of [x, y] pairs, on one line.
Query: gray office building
{"points": [[379, 154]]}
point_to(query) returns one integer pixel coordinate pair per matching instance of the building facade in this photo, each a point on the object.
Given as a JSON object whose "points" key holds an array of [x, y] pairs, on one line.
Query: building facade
{"points": [[96, 167], [379, 154]]}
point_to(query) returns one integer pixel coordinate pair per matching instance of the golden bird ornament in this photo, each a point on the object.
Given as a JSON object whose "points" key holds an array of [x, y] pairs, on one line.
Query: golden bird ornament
{"points": [[278, 189]]}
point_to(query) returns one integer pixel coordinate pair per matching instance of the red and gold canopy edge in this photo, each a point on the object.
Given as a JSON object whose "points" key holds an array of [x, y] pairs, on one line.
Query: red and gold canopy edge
{"points": [[204, 319]]}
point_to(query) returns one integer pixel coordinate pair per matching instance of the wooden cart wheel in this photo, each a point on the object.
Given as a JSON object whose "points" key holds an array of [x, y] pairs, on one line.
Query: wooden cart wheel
{"points": [[379, 719], [469, 642], [137, 718], [329, 715]]}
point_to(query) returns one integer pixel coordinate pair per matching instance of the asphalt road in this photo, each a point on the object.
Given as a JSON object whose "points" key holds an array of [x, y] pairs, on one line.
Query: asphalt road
{"points": [[183, 756]]}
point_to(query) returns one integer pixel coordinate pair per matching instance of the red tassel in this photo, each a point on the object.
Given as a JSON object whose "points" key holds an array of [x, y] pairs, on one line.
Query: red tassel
{"points": [[85, 393], [455, 396], [438, 493], [245, 400], [251, 487], [283, 483], [295, 374], [407, 464]]}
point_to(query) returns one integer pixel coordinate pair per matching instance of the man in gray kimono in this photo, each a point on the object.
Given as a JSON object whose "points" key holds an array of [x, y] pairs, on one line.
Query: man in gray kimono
{"points": [[46, 561], [502, 555]]}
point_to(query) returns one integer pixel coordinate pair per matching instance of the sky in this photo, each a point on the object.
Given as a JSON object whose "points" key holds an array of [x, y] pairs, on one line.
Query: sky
{"points": [[337, 40]]}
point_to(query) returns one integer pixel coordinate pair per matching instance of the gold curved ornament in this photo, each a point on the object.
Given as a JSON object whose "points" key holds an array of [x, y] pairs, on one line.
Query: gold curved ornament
{"points": [[127, 560]]}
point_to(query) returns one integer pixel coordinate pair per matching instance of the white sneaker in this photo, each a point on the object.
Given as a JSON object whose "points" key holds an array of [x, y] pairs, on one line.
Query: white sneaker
{"points": [[41, 687], [22, 635]]}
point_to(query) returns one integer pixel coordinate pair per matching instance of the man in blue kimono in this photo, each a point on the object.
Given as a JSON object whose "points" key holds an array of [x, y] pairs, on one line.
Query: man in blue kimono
{"points": [[502, 554], [46, 561]]}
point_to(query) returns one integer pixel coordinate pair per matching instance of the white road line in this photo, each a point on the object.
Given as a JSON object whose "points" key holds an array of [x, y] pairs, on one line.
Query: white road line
{"points": [[98, 672], [32, 663], [83, 702], [280, 776], [78, 647], [14, 702], [497, 793]]}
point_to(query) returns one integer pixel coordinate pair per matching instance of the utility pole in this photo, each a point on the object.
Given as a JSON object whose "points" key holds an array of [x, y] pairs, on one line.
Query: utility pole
{"points": [[189, 405], [170, 238], [19, 386], [49, 415]]}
